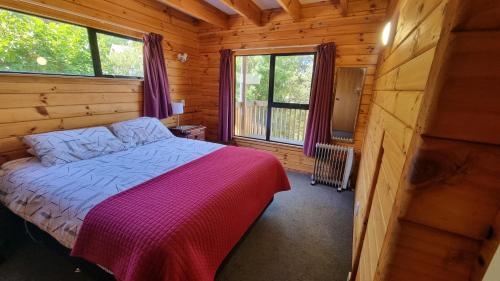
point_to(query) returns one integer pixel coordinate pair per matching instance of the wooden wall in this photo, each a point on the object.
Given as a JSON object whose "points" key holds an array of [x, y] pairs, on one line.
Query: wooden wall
{"points": [[401, 79], [428, 189], [38, 103], [30, 104], [449, 200], [195, 81], [356, 36]]}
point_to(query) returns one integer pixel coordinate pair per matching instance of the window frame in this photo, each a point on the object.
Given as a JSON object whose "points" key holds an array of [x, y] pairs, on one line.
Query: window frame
{"points": [[94, 50], [270, 99]]}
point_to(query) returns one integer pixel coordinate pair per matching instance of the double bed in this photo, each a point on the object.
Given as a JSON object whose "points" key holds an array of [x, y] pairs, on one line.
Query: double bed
{"points": [[171, 209], [57, 198]]}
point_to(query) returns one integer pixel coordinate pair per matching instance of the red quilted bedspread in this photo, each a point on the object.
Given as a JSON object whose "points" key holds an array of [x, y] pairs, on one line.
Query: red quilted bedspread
{"points": [[182, 224]]}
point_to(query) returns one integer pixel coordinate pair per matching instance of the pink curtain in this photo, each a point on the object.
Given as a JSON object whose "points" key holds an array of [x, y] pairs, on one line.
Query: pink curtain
{"points": [[225, 96], [320, 105], [157, 101]]}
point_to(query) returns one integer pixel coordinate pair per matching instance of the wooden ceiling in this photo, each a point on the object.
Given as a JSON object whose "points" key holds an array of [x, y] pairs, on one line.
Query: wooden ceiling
{"points": [[217, 12]]}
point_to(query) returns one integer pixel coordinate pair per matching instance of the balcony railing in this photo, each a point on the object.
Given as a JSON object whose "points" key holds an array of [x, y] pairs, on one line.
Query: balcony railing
{"points": [[288, 125]]}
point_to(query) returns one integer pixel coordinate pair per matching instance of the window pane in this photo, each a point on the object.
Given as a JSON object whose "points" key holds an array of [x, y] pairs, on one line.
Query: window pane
{"points": [[33, 44], [288, 125], [292, 78], [252, 92], [120, 56]]}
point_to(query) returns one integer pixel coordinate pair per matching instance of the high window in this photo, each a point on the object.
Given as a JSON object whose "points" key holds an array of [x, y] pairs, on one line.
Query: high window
{"points": [[272, 96], [32, 44]]}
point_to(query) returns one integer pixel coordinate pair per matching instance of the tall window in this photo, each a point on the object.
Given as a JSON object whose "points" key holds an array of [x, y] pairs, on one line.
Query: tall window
{"points": [[272, 96], [31, 44]]}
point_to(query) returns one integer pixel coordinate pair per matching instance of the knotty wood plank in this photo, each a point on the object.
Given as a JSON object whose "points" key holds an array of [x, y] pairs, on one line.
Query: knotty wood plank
{"points": [[430, 254], [41, 103], [343, 7], [246, 8], [428, 237], [364, 206], [293, 7], [199, 10], [356, 37], [470, 83], [454, 186], [399, 81]]}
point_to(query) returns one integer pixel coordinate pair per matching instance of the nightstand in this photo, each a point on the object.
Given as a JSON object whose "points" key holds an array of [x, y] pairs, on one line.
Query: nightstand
{"points": [[195, 132]]}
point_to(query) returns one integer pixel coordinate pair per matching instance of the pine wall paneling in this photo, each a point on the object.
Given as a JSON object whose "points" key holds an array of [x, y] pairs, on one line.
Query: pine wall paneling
{"points": [[432, 213], [400, 81], [448, 201], [356, 36], [38, 103]]}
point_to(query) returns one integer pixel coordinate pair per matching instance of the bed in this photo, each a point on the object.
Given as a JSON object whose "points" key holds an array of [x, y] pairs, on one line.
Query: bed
{"points": [[194, 214], [57, 198]]}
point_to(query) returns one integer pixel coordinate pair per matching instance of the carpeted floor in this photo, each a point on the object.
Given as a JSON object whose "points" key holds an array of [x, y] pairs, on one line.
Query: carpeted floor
{"points": [[305, 234]]}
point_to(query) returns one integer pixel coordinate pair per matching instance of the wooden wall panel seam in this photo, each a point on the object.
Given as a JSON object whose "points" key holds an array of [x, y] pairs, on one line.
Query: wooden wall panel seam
{"points": [[61, 102], [398, 123], [357, 48]]}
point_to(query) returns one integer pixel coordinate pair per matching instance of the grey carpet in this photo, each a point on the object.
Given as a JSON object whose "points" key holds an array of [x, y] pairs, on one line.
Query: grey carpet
{"points": [[305, 234]]}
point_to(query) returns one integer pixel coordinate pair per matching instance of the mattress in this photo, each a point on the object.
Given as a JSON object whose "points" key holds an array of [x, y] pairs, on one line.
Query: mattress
{"points": [[57, 198], [182, 224]]}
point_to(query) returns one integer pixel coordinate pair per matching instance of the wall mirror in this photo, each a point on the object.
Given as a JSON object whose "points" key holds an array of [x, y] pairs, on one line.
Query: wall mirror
{"points": [[347, 96]]}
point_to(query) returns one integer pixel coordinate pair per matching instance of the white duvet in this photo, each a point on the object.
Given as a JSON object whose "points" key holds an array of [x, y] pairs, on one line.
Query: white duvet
{"points": [[57, 198]]}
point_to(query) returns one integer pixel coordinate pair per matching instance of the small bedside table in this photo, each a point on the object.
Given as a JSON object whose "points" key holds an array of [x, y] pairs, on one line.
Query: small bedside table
{"points": [[196, 132]]}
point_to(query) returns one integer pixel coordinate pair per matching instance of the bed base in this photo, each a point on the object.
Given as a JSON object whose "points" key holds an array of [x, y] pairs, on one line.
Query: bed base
{"points": [[97, 273]]}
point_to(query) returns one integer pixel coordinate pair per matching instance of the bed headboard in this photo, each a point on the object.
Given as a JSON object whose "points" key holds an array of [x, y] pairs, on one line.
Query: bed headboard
{"points": [[35, 104]]}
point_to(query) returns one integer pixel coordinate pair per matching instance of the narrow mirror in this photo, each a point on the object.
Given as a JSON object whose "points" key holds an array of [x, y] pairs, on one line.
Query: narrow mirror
{"points": [[348, 89]]}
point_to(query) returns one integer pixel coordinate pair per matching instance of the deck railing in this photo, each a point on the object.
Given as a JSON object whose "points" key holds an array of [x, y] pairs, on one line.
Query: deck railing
{"points": [[287, 124]]}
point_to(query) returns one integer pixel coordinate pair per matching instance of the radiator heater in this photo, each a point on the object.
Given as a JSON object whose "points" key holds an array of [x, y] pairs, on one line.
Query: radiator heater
{"points": [[333, 165]]}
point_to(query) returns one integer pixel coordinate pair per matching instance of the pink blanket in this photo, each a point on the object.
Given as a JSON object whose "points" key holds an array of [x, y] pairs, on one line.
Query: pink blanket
{"points": [[182, 224]]}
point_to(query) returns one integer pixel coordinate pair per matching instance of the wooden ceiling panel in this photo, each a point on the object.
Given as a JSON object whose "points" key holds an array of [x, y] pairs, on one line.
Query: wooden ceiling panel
{"points": [[246, 8], [200, 10], [292, 7]]}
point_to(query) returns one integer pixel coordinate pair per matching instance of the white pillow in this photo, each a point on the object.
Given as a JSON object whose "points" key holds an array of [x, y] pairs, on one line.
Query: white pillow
{"points": [[16, 163], [140, 131], [73, 145]]}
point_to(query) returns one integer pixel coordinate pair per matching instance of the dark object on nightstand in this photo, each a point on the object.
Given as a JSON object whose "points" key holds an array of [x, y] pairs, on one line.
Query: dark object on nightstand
{"points": [[196, 132]]}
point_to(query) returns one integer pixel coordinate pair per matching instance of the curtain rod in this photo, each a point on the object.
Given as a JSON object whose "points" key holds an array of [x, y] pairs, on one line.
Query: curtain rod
{"points": [[277, 47]]}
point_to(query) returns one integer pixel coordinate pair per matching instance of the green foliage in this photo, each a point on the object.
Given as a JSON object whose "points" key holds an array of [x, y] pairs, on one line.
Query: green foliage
{"points": [[120, 56], [257, 67], [292, 78], [25, 38]]}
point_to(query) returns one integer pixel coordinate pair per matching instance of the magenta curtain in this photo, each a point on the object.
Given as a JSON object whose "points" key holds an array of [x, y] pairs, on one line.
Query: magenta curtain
{"points": [[320, 104], [157, 101], [225, 96]]}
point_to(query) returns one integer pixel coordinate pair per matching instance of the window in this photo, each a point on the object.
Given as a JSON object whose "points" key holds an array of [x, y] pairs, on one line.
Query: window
{"points": [[272, 96], [31, 44], [120, 56]]}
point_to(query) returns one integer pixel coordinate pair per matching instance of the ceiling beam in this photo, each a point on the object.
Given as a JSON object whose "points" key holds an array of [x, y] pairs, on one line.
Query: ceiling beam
{"points": [[292, 7], [343, 7], [246, 8], [199, 9]]}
